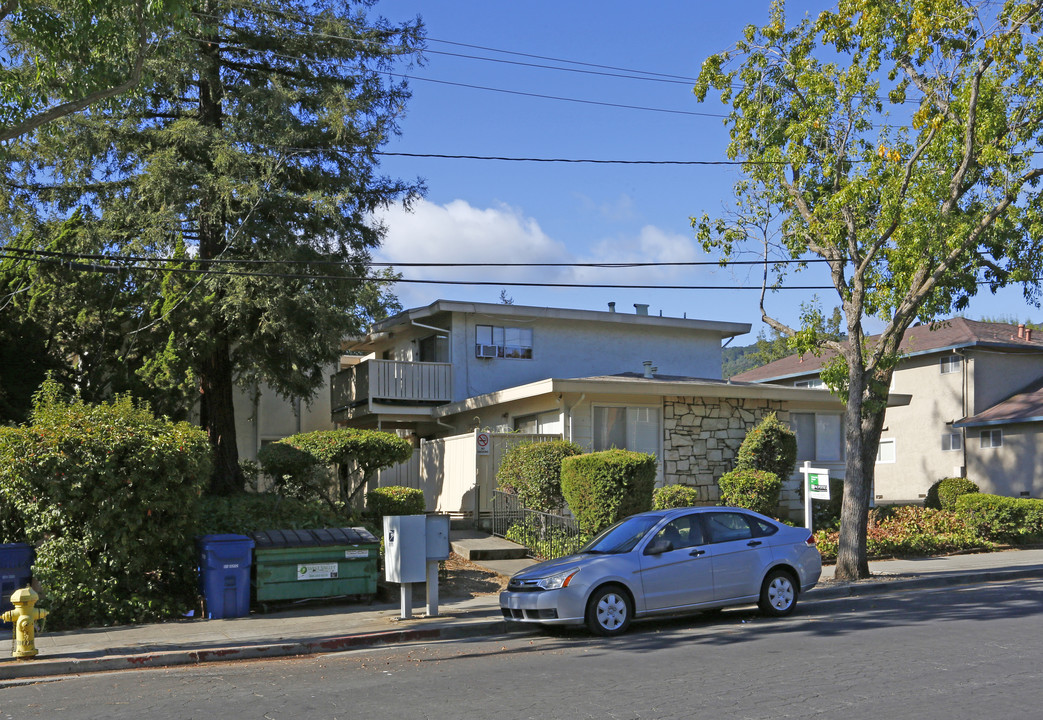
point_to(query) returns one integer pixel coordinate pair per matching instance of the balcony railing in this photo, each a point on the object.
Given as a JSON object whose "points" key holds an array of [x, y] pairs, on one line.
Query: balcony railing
{"points": [[392, 381]]}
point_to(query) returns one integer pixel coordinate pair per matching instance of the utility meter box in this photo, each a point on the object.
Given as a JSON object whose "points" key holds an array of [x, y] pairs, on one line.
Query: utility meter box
{"points": [[437, 537], [405, 553]]}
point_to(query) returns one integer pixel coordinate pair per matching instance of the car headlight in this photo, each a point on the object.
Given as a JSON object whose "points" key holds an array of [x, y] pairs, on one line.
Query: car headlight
{"points": [[557, 581]]}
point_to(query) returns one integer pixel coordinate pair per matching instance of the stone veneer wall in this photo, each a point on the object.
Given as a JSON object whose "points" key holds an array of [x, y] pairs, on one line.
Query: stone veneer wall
{"points": [[701, 437]]}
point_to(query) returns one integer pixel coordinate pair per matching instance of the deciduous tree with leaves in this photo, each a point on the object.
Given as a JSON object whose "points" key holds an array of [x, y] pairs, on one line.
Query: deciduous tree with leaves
{"points": [[902, 140]]}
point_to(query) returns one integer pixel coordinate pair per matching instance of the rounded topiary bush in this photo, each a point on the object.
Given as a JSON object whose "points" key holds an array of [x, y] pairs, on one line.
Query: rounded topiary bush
{"points": [[603, 487], [395, 500], [756, 490], [533, 471], [770, 446], [675, 496], [944, 493]]}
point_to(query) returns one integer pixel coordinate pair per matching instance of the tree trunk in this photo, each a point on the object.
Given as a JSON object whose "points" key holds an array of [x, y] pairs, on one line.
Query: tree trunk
{"points": [[218, 418], [216, 378]]}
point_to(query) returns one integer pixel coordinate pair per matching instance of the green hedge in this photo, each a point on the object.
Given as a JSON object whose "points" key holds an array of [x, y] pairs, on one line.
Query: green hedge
{"points": [[756, 490], [252, 512], [911, 531], [771, 446], [1003, 519], [944, 493], [108, 495], [675, 496], [395, 500], [604, 487], [533, 471]]}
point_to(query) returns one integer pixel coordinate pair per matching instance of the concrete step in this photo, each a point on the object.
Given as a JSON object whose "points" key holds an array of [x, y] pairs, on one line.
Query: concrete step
{"points": [[475, 545]]}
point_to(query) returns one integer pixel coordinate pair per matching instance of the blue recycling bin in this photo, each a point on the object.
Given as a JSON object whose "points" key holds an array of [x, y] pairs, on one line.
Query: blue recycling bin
{"points": [[16, 571], [224, 574]]}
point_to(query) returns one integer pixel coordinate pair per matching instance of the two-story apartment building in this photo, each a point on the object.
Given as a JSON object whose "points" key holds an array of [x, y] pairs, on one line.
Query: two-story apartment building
{"points": [[975, 408], [599, 378]]}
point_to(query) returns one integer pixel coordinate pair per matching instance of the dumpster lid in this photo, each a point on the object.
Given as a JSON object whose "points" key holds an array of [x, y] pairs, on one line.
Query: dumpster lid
{"points": [[313, 538]]}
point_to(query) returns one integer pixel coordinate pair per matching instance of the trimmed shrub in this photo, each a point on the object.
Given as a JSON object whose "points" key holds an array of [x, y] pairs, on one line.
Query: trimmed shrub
{"points": [[533, 471], [944, 493], [395, 500], [756, 490], [911, 531], [770, 446], [253, 512], [1003, 519], [603, 487], [109, 496], [305, 469], [675, 496]]}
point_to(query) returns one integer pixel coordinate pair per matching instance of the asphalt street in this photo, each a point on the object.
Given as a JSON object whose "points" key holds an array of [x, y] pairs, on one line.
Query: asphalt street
{"points": [[962, 652]]}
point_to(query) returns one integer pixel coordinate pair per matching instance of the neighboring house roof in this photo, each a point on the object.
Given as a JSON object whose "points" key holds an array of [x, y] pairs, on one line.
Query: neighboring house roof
{"points": [[1024, 406], [425, 314], [635, 384], [952, 334]]}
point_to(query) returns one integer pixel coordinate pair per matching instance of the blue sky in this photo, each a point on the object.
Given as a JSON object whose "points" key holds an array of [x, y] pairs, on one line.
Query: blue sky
{"points": [[491, 211]]}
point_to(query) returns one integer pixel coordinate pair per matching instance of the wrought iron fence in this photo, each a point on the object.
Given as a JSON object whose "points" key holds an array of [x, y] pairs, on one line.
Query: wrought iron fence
{"points": [[545, 535]]}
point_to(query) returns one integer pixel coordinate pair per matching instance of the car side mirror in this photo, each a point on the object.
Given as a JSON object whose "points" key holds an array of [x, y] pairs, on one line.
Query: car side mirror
{"points": [[658, 547]]}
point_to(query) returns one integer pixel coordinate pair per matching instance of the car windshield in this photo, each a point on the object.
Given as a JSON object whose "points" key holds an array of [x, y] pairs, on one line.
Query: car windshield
{"points": [[623, 536]]}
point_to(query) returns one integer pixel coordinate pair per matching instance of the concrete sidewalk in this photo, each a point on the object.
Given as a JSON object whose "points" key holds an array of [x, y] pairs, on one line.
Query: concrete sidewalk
{"points": [[316, 629]]}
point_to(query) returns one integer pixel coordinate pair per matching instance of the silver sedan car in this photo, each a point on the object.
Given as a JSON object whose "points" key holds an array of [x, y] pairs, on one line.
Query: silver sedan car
{"points": [[667, 562]]}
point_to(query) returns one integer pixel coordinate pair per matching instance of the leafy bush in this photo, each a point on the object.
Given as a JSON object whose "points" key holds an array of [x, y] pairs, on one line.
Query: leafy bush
{"points": [[675, 496], [1002, 519], [911, 531], [252, 512], [533, 471], [826, 513], [756, 490], [545, 542], [770, 446], [300, 465], [603, 487], [109, 496], [395, 500], [944, 493]]}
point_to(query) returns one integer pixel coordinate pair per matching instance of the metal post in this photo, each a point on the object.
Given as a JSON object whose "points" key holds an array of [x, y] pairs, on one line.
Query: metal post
{"points": [[806, 472], [406, 593], [432, 588]]}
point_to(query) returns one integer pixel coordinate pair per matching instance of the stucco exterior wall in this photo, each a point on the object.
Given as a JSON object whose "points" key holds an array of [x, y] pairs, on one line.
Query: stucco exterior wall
{"points": [[997, 376], [1015, 469], [917, 428], [262, 416]]}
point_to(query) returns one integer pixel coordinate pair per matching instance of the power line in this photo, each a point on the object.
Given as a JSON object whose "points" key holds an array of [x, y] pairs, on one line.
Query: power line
{"points": [[577, 160]]}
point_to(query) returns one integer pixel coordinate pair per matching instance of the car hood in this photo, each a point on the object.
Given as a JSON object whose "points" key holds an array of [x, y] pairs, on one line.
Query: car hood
{"points": [[549, 567]]}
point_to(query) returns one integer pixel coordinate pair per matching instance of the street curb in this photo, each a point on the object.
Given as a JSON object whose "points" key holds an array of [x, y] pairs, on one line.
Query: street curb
{"points": [[36, 670]]}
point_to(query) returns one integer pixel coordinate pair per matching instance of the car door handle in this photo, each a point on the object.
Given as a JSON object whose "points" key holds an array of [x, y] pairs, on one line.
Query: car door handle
{"points": [[753, 543], [697, 553]]}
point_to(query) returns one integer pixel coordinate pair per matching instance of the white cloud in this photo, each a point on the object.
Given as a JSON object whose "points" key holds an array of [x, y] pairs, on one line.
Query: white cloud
{"points": [[460, 233]]}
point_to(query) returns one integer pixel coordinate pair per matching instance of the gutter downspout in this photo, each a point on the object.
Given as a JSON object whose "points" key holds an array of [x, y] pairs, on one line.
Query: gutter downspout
{"points": [[964, 381]]}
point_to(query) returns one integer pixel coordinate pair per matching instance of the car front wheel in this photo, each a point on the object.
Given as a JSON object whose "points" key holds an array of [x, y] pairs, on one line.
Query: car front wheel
{"points": [[778, 594], [609, 611]]}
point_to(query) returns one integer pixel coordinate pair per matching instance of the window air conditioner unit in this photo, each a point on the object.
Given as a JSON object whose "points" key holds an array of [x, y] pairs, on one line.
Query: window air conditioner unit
{"points": [[485, 351]]}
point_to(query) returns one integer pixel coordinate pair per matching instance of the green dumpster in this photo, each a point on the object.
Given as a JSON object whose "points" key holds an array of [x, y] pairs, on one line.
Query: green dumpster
{"points": [[299, 564]]}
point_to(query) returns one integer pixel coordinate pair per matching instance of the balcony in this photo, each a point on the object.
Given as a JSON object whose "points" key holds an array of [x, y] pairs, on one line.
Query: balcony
{"points": [[373, 385]]}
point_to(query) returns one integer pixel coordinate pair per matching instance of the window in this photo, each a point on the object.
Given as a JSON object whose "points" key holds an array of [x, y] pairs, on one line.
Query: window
{"points": [[627, 428], [951, 364], [991, 438], [505, 342], [885, 451], [820, 437], [952, 441], [812, 383], [548, 423], [434, 348], [684, 532]]}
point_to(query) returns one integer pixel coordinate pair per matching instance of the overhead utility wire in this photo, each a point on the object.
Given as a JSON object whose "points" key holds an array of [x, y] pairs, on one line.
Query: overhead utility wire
{"points": [[419, 281], [254, 261]]}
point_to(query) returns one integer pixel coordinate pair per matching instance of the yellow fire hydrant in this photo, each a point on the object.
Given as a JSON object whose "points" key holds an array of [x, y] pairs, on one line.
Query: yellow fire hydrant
{"points": [[24, 616]]}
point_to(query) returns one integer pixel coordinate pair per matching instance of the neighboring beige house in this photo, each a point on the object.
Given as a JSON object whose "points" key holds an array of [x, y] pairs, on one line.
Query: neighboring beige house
{"points": [[601, 379], [975, 409]]}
